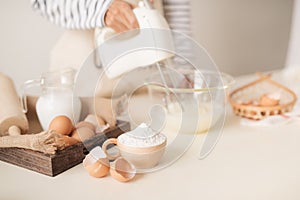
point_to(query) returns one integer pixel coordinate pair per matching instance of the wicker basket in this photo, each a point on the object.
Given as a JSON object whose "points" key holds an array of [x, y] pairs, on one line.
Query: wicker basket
{"points": [[254, 91]]}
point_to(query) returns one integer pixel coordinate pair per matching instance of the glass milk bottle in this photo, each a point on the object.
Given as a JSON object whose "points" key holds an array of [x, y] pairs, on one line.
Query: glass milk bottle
{"points": [[57, 96]]}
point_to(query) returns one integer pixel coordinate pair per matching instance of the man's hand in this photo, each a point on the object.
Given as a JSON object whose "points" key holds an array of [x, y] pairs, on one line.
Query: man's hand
{"points": [[120, 17]]}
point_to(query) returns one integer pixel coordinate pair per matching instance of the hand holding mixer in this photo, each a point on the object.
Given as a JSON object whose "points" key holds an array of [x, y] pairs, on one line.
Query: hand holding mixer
{"points": [[151, 44]]}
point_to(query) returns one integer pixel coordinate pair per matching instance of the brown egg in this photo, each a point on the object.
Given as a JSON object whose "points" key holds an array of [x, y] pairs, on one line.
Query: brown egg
{"points": [[86, 124], [99, 168], [267, 100], [100, 121], [122, 170], [95, 120], [83, 133], [247, 103], [62, 125]]}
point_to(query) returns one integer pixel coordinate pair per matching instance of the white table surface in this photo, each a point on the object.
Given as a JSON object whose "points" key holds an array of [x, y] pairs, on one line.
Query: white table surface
{"points": [[247, 163]]}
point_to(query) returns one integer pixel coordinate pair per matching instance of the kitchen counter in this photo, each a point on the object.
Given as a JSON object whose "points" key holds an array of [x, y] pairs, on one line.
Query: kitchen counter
{"points": [[249, 162]]}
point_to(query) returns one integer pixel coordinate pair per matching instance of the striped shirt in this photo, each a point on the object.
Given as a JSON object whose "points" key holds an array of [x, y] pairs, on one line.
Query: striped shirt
{"points": [[88, 14], [73, 14], [178, 15]]}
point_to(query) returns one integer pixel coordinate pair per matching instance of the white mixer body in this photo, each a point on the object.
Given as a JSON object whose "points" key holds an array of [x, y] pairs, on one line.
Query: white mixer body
{"points": [[121, 53]]}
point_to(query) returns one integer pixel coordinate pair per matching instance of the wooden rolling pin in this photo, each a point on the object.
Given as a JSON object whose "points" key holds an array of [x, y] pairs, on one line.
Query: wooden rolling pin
{"points": [[12, 118]]}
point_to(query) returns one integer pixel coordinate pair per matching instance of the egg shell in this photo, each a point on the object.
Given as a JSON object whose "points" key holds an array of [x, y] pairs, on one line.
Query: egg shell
{"points": [[85, 124], [122, 170], [265, 100], [82, 133], [62, 125], [97, 169]]}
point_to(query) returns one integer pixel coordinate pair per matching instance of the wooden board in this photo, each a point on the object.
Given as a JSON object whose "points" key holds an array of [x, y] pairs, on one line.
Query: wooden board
{"points": [[61, 161]]}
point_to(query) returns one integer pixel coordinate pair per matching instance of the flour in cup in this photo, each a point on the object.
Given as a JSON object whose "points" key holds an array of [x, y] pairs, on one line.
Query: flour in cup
{"points": [[142, 136]]}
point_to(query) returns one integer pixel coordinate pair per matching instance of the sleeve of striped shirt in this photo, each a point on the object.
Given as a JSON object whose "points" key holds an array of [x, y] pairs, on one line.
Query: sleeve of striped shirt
{"points": [[73, 14]]}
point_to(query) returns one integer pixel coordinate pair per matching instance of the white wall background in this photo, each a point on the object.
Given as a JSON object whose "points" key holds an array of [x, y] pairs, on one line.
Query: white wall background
{"points": [[242, 36], [25, 39]]}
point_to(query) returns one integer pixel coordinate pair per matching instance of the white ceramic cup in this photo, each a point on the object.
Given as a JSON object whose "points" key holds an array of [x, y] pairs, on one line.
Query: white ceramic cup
{"points": [[140, 157]]}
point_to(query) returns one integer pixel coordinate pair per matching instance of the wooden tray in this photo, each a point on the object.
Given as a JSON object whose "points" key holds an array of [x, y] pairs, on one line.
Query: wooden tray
{"points": [[63, 160]]}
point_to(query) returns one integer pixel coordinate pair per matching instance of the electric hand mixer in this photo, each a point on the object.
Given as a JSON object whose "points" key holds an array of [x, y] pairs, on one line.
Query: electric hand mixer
{"points": [[151, 44]]}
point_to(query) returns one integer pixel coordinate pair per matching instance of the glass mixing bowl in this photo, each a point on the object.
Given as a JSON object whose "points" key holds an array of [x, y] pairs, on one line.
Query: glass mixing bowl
{"points": [[193, 100]]}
